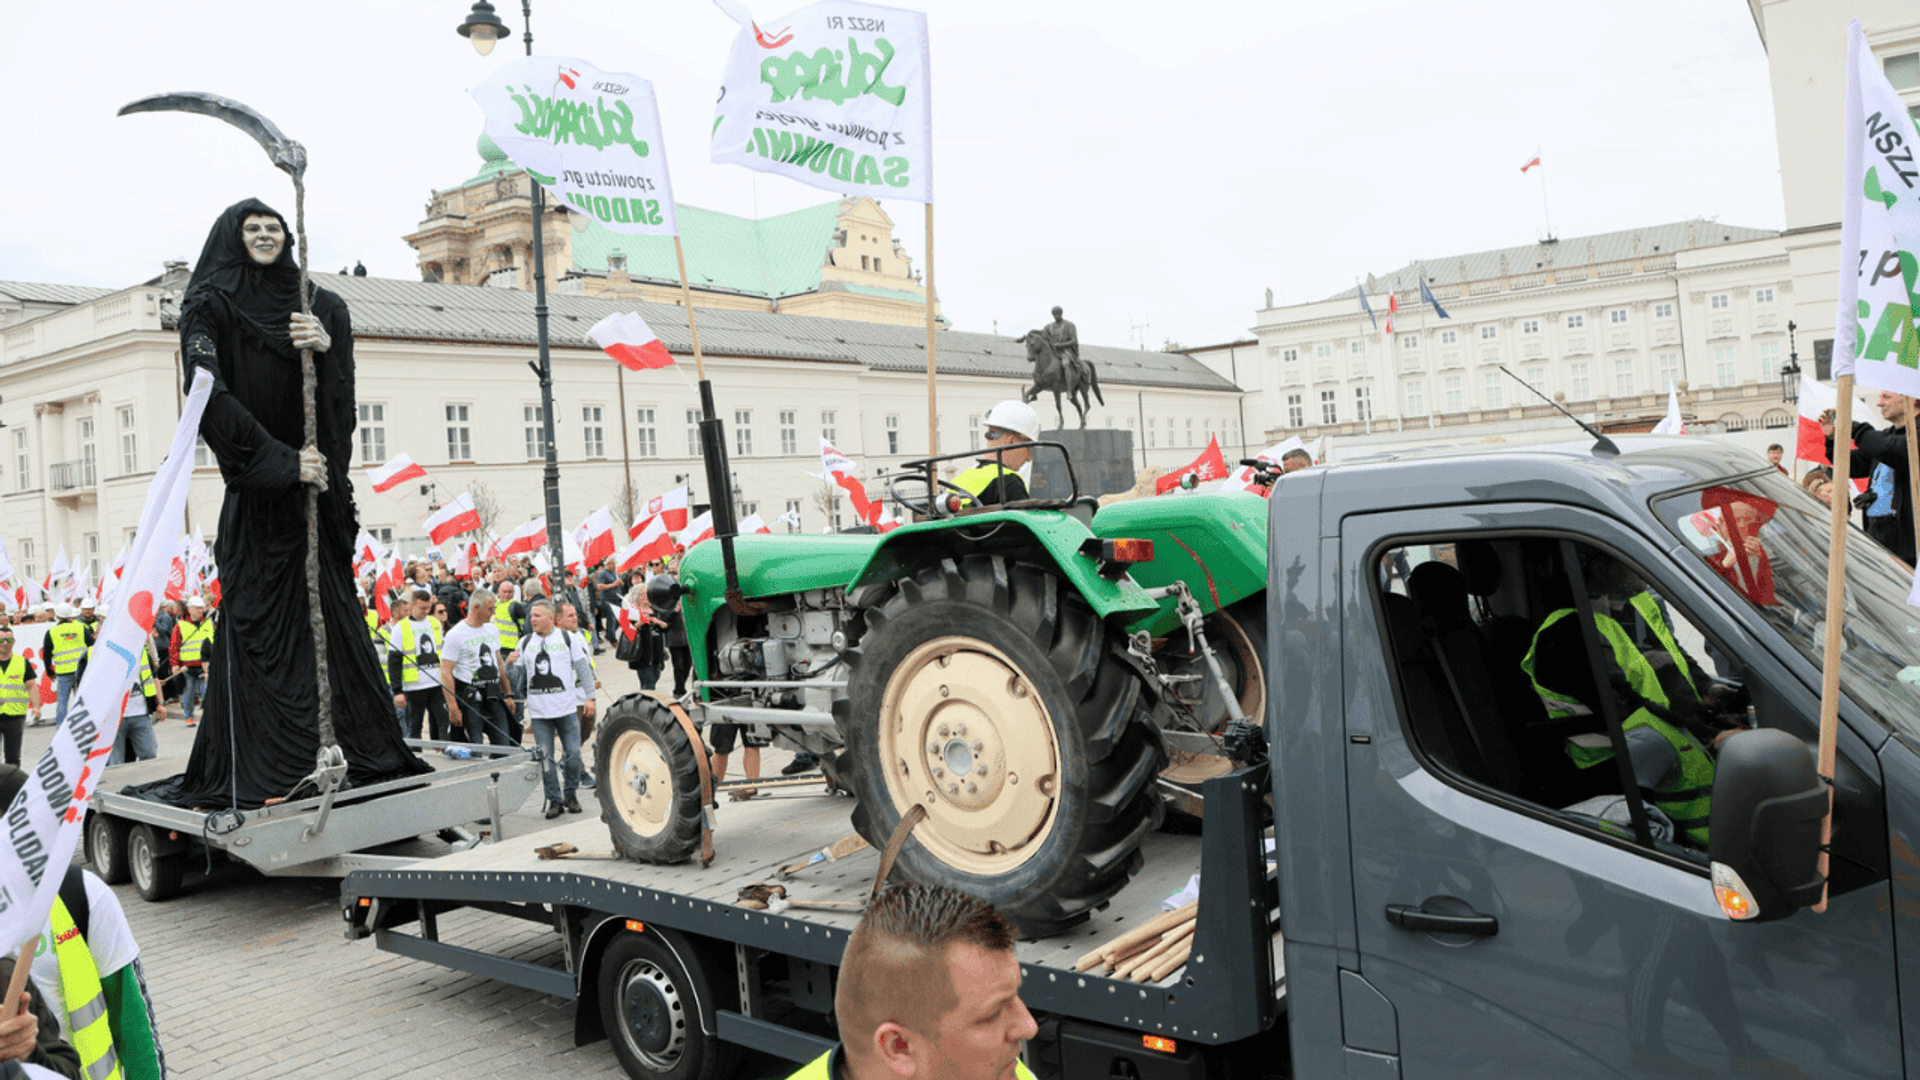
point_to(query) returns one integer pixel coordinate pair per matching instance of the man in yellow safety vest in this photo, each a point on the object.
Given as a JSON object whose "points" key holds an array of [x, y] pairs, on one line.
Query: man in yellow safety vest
{"points": [[929, 987], [19, 695], [995, 478], [192, 638], [67, 644]]}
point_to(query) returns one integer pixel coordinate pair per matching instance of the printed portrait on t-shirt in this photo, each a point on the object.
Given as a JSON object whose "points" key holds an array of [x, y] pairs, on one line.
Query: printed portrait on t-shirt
{"points": [[484, 670], [544, 680]]}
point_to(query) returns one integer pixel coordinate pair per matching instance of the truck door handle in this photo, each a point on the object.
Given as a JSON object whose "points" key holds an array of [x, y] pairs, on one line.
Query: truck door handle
{"points": [[1443, 915]]}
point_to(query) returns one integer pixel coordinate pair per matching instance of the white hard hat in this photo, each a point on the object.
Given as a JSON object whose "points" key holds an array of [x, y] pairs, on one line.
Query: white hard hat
{"points": [[67, 611], [1017, 417], [86, 603], [195, 601]]}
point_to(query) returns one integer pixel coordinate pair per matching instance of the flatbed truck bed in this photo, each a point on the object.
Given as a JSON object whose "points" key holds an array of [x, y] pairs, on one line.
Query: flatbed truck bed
{"points": [[764, 979]]}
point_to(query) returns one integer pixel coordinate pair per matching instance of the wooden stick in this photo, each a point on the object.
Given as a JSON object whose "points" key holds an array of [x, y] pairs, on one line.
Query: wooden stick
{"points": [[686, 301], [1143, 961], [1836, 607], [1913, 460], [933, 408], [1172, 963], [1116, 958], [1155, 926], [22, 965], [1172, 940]]}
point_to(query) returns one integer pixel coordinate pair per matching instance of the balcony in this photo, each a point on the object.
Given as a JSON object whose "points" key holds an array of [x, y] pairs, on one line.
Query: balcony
{"points": [[72, 480]]}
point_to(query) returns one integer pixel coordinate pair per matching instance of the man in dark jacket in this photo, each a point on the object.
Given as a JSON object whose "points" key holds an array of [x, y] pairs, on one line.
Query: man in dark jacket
{"points": [[1886, 447], [30, 1032]]}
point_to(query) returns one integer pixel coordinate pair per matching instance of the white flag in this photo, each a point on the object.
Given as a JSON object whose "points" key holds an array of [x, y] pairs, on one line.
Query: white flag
{"points": [[1671, 424], [43, 823], [1876, 341], [836, 95], [591, 136]]}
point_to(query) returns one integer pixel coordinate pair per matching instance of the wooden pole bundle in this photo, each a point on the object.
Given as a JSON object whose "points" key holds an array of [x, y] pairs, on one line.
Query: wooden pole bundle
{"points": [[1149, 952]]}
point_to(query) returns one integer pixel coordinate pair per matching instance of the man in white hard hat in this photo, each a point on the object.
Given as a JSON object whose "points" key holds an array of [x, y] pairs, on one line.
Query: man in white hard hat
{"points": [[189, 652], [66, 646], [996, 479]]}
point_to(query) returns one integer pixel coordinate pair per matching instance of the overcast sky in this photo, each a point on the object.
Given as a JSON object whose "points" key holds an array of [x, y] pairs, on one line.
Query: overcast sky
{"points": [[1138, 163]]}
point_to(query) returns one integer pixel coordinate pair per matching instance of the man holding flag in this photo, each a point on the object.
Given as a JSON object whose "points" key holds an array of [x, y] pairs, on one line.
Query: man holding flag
{"points": [[1884, 449]]}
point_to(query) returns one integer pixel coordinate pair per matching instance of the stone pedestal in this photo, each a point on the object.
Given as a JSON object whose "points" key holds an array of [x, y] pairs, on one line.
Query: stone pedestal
{"points": [[1102, 461]]}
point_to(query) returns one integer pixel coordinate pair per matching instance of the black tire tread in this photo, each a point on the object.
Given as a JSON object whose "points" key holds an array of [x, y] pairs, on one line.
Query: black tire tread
{"points": [[112, 865], [680, 841]]}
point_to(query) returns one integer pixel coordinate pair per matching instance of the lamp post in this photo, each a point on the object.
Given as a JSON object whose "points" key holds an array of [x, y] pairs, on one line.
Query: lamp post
{"points": [[483, 27], [1790, 375]]}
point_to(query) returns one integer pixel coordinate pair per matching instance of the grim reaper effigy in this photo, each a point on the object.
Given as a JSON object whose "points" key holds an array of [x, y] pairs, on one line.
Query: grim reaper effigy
{"points": [[290, 627]]}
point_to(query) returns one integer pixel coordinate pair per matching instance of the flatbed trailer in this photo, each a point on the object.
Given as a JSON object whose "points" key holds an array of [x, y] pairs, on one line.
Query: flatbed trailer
{"points": [[643, 945], [150, 843]]}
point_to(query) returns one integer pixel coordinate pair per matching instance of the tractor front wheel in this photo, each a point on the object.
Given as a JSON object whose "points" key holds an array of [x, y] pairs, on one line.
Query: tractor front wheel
{"points": [[647, 774]]}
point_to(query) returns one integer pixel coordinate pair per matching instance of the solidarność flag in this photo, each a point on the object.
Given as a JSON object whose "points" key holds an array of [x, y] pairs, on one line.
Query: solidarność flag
{"points": [[453, 518], [627, 338], [398, 470], [1877, 342], [1210, 465]]}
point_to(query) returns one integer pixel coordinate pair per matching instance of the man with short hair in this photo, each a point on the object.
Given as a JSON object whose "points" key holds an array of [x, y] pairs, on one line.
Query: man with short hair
{"points": [[192, 637], [929, 989], [506, 618], [413, 668], [1294, 460], [995, 478], [19, 696], [67, 645], [1774, 453], [472, 676], [556, 667], [1888, 447], [567, 617]]}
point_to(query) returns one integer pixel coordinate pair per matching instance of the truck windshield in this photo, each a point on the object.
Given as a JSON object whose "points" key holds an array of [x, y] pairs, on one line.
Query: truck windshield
{"points": [[1767, 537]]}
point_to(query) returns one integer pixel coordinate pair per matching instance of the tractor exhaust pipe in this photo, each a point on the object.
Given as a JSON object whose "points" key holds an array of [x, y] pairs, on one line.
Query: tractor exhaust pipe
{"points": [[713, 449]]}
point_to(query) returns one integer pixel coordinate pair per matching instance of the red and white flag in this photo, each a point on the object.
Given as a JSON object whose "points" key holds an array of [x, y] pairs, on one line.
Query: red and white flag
{"points": [[1531, 164], [652, 542], [700, 528], [886, 522], [398, 470], [44, 819], [454, 517], [211, 587], [526, 539], [176, 587], [672, 506], [598, 541], [753, 524], [841, 471], [1809, 444], [627, 338], [1210, 465], [366, 551]]}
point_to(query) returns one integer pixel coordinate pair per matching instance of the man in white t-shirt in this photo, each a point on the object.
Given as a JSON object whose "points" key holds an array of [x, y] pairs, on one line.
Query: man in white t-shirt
{"points": [[413, 668], [473, 674], [568, 619], [557, 669]]}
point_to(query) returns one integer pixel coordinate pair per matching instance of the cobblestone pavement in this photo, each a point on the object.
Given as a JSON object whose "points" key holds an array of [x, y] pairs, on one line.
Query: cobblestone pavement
{"points": [[252, 977]]}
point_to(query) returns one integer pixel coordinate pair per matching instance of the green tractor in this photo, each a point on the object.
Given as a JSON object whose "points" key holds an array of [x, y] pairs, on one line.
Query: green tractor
{"points": [[1018, 672]]}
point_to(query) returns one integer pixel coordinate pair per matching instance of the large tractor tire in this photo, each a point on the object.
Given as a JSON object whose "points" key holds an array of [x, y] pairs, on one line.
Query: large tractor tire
{"points": [[991, 694], [647, 774]]}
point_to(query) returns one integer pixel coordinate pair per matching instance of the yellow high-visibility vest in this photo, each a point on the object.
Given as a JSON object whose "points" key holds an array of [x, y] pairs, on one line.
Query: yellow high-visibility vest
{"points": [[86, 1002], [193, 638], [67, 643], [13, 686]]}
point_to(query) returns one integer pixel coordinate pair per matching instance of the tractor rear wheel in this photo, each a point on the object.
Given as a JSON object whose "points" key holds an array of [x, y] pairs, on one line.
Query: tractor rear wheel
{"points": [[647, 774], [991, 694]]}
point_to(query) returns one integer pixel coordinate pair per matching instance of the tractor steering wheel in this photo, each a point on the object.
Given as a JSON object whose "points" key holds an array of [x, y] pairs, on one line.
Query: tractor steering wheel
{"points": [[926, 508]]}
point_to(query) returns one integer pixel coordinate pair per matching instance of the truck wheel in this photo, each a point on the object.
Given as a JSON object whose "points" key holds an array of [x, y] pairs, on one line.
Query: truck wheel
{"points": [[156, 875], [647, 1005], [648, 779], [990, 693], [106, 839]]}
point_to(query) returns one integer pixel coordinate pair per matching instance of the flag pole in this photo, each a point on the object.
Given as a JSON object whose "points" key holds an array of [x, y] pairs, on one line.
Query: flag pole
{"points": [[933, 407], [713, 442], [1836, 606], [1426, 356], [1913, 458], [22, 966], [626, 455], [686, 301], [1547, 216]]}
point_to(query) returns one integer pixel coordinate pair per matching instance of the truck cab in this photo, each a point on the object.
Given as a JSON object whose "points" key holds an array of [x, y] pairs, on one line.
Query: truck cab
{"points": [[1461, 897]]}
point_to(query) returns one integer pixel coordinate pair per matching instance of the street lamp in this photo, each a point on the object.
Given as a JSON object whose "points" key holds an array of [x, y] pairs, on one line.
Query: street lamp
{"points": [[1790, 375], [483, 28]]}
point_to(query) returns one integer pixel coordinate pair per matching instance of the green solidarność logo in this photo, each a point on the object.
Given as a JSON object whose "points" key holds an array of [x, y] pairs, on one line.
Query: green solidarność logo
{"points": [[823, 76], [588, 125], [1894, 335], [824, 156]]}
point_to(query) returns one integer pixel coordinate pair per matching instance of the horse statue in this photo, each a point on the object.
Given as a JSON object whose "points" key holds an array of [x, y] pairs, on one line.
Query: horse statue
{"points": [[1076, 379]]}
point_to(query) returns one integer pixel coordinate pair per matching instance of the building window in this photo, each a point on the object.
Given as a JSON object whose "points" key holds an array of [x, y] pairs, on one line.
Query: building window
{"points": [[789, 432], [1530, 326], [793, 515], [26, 558], [1763, 296], [973, 432], [646, 431], [863, 266], [1493, 389], [748, 509], [535, 430], [1296, 412], [1617, 316], [129, 443], [23, 461], [1663, 311], [1415, 393], [1152, 435], [1725, 369], [93, 556], [1451, 385], [1288, 356], [1579, 385], [1575, 322], [693, 433], [1488, 333], [1537, 378], [1769, 359], [1903, 71], [876, 264], [1448, 337], [382, 533], [1719, 301], [1409, 341], [1190, 441], [202, 455], [1323, 351], [1329, 408], [830, 425], [743, 432], [1357, 347], [87, 457], [1669, 364], [459, 435], [373, 434], [1622, 378], [893, 432], [593, 425], [1363, 403]]}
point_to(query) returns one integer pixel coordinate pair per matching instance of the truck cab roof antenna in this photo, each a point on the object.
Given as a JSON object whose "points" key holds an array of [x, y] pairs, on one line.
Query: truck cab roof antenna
{"points": [[1602, 446]]}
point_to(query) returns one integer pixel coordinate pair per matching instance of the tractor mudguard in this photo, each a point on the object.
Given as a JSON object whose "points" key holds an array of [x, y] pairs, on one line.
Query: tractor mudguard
{"points": [[1215, 542]]}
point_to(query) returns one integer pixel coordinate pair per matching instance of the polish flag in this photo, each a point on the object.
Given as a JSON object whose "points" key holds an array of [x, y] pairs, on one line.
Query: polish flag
{"points": [[525, 539], [841, 471], [672, 506], [382, 586], [626, 621], [599, 542], [570, 549], [493, 546], [700, 528], [366, 550], [1531, 164], [753, 524], [886, 522], [454, 517], [652, 542], [1393, 306], [1671, 424], [1810, 445], [1210, 465], [398, 470], [627, 338], [119, 562]]}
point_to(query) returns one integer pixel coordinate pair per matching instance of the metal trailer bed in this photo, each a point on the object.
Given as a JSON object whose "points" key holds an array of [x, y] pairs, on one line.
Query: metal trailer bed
{"points": [[129, 838], [1232, 989]]}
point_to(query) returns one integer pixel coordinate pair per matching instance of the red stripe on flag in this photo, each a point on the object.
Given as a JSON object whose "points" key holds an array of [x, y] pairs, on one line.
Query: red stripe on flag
{"points": [[653, 354]]}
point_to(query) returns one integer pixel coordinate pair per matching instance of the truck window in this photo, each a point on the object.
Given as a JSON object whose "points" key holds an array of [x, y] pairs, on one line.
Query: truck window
{"points": [[1498, 689], [1767, 539]]}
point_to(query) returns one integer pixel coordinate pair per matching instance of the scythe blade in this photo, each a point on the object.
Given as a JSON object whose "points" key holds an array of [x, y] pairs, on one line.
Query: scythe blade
{"points": [[285, 153]]}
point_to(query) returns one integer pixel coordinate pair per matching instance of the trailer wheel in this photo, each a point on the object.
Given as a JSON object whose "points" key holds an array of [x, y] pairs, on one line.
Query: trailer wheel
{"points": [[648, 779], [648, 1007], [106, 838], [991, 694], [156, 875]]}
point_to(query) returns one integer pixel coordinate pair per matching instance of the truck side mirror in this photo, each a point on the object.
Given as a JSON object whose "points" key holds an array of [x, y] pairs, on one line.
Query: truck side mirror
{"points": [[1768, 800]]}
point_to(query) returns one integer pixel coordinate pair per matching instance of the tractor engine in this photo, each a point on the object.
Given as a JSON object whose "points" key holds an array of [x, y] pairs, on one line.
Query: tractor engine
{"points": [[798, 642]]}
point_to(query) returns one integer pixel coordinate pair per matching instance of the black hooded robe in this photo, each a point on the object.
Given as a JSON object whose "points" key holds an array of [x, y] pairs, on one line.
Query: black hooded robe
{"points": [[261, 695]]}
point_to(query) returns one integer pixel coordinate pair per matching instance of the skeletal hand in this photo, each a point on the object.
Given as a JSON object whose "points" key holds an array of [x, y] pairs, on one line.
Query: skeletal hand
{"points": [[307, 333], [313, 467]]}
